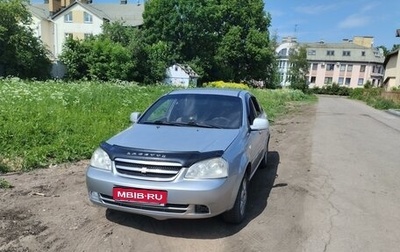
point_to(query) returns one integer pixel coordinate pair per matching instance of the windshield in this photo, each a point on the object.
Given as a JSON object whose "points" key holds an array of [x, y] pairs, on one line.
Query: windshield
{"points": [[197, 110]]}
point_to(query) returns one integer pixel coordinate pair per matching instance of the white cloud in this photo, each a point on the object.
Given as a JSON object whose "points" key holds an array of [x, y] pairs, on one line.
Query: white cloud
{"points": [[276, 13], [353, 21], [314, 9]]}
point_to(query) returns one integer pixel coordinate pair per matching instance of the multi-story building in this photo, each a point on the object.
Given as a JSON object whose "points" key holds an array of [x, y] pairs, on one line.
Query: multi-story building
{"points": [[392, 70], [350, 63], [283, 52], [55, 20]]}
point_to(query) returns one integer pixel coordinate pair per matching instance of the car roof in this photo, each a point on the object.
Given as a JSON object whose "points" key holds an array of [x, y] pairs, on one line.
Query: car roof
{"points": [[211, 91]]}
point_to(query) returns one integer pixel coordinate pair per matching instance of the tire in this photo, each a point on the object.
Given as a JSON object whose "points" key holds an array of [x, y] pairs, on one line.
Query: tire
{"points": [[238, 212]]}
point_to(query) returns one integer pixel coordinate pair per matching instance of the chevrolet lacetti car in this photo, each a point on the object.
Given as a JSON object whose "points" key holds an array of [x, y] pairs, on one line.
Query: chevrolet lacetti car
{"points": [[189, 155]]}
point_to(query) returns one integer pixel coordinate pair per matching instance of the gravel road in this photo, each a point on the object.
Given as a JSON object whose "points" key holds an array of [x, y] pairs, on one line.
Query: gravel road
{"points": [[334, 168]]}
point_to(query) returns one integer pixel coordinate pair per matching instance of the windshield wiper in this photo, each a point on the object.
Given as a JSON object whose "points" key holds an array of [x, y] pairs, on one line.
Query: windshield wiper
{"points": [[190, 124]]}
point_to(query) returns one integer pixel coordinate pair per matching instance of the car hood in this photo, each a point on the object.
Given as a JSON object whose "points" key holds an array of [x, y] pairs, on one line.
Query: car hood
{"points": [[174, 138]]}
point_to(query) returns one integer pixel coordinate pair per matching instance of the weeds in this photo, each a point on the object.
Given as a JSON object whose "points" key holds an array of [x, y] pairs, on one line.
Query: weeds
{"points": [[5, 184], [44, 123]]}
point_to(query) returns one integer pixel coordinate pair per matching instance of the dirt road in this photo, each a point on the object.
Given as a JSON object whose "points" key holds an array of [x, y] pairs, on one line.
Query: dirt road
{"points": [[315, 196]]}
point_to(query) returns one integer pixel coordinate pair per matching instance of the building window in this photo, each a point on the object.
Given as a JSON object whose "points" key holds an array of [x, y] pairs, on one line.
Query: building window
{"points": [[349, 68], [360, 81], [68, 17], [311, 52], [362, 53], [346, 53], [87, 35], [348, 80], [342, 67], [362, 68], [379, 69], [69, 35], [328, 80], [330, 67], [373, 69], [330, 53], [313, 79], [340, 80], [283, 52], [87, 18], [314, 66]]}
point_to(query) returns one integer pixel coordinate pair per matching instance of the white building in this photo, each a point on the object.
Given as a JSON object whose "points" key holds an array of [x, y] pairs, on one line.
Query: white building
{"points": [[56, 20], [283, 51], [181, 75]]}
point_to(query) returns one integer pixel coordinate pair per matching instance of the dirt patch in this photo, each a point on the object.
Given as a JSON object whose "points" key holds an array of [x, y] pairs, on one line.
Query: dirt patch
{"points": [[48, 209]]}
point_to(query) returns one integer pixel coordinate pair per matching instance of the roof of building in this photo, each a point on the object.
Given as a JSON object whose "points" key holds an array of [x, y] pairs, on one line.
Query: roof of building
{"points": [[370, 54], [129, 14], [188, 70], [39, 10]]}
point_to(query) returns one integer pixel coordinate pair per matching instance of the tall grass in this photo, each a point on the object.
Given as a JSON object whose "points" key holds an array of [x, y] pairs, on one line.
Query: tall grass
{"points": [[44, 123], [373, 97]]}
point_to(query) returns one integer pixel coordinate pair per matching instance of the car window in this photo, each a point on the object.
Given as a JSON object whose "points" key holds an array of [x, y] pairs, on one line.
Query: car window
{"points": [[196, 109], [256, 106], [253, 109], [160, 112]]}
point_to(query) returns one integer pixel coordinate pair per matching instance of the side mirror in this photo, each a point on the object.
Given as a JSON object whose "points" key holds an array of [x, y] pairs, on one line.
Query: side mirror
{"points": [[260, 124], [135, 117]]}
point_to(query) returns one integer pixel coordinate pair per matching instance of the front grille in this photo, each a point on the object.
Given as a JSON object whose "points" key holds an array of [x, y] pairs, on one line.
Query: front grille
{"points": [[168, 208], [148, 170]]}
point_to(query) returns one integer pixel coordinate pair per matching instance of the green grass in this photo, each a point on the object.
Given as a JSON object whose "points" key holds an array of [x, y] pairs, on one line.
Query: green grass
{"points": [[373, 98], [43, 123], [5, 184]]}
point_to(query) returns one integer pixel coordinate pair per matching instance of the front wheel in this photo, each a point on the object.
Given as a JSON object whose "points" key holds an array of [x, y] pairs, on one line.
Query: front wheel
{"points": [[238, 212]]}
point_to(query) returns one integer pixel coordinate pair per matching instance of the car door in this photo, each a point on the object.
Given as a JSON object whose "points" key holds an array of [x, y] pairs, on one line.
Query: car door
{"points": [[256, 139]]}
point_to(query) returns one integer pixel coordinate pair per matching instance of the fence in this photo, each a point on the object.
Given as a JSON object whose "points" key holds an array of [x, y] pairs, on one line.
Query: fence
{"points": [[394, 96]]}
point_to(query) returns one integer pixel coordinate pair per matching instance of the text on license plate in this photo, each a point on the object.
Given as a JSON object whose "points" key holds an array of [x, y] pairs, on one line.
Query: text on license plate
{"points": [[139, 195]]}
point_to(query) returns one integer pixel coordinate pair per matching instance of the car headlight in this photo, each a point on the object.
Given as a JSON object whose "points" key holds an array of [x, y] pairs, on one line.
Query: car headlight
{"points": [[101, 160], [210, 168]]}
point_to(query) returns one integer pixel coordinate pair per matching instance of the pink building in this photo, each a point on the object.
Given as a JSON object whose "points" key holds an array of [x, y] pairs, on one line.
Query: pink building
{"points": [[350, 63]]}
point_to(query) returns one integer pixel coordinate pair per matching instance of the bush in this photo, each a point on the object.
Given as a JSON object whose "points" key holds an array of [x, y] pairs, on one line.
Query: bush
{"points": [[333, 89], [222, 84], [373, 97]]}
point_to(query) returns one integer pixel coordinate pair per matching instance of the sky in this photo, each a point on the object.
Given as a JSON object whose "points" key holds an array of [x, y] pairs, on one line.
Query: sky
{"points": [[328, 20], [335, 20]]}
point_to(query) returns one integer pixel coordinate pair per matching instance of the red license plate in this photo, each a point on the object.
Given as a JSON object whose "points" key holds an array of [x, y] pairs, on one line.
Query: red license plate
{"points": [[140, 195]]}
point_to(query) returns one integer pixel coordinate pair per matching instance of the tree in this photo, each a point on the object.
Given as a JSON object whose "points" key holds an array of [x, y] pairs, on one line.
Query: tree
{"points": [[299, 69], [21, 53], [114, 54], [384, 49], [395, 47], [272, 80], [226, 40], [71, 57]]}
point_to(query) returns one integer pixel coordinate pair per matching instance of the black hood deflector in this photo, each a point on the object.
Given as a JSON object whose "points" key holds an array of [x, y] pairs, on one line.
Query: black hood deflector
{"points": [[185, 158]]}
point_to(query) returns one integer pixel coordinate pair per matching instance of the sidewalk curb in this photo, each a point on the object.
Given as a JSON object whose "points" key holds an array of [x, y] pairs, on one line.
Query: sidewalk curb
{"points": [[394, 111]]}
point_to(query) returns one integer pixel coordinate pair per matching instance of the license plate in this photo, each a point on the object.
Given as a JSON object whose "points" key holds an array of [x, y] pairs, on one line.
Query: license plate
{"points": [[140, 195]]}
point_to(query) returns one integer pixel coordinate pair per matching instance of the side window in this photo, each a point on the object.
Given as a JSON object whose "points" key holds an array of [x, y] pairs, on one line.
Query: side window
{"points": [[257, 107], [253, 109]]}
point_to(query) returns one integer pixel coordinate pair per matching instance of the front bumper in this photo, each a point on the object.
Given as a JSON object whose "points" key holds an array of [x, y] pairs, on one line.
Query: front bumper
{"points": [[187, 198]]}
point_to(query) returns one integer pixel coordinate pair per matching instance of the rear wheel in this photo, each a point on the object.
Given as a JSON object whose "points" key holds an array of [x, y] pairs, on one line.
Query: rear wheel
{"points": [[238, 212]]}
